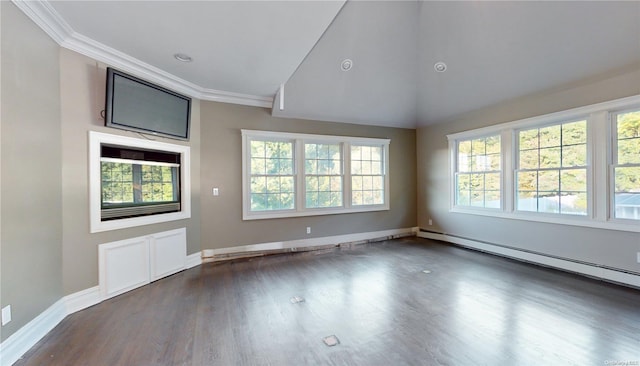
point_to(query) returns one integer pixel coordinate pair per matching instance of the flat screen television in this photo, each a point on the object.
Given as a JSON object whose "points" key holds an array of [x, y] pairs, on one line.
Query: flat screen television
{"points": [[137, 105]]}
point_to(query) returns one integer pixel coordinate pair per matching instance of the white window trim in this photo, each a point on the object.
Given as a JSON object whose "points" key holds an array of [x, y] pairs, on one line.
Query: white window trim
{"points": [[299, 140], [96, 139], [599, 166], [611, 164], [453, 149]]}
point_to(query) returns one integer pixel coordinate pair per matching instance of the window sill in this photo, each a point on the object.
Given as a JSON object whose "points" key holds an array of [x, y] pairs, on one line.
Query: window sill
{"points": [[311, 212], [572, 220]]}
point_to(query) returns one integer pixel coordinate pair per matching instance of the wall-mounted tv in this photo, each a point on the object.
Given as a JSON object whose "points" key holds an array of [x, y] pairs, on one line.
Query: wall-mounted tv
{"points": [[137, 105]]}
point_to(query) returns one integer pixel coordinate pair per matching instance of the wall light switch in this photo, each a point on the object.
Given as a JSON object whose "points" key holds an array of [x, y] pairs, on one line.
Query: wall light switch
{"points": [[6, 314], [216, 192]]}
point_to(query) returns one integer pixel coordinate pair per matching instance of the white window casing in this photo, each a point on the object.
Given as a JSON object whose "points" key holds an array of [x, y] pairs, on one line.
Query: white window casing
{"points": [[299, 141], [96, 140], [600, 165]]}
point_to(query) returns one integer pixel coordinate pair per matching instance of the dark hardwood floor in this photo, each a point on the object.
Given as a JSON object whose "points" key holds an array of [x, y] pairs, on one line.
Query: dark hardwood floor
{"points": [[471, 309]]}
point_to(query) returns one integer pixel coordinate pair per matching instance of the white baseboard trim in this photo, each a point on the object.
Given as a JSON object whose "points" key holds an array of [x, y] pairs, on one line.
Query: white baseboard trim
{"points": [[589, 270], [26, 337], [193, 260], [31, 333], [209, 254], [21, 341], [82, 299]]}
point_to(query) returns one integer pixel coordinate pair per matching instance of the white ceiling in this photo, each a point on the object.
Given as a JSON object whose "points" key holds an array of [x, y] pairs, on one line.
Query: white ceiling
{"points": [[244, 50]]}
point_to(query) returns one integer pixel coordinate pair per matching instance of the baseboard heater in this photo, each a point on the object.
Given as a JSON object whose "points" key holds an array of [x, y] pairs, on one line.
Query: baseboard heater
{"points": [[592, 270]]}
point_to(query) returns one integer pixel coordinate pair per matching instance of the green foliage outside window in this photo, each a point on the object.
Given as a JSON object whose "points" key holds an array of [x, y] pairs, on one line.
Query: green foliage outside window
{"points": [[125, 183], [552, 174], [323, 175], [367, 176], [627, 169], [478, 179], [272, 180]]}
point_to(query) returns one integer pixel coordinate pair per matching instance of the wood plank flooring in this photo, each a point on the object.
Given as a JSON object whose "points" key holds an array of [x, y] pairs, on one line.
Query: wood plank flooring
{"points": [[471, 309]]}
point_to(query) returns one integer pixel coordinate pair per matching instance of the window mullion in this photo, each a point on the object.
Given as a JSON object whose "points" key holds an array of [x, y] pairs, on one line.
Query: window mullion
{"points": [[299, 175], [508, 188], [346, 174], [597, 165], [137, 182]]}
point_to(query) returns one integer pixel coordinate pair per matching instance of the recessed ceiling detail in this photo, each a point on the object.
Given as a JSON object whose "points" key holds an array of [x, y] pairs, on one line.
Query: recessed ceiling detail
{"points": [[182, 57], [346, 65], [440, 66], [246, 49]]}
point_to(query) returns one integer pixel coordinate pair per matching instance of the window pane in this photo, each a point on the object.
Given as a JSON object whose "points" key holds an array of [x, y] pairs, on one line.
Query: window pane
{"points": [[272, 182], [628, 125], [529, 159], [573, 180], [482, 158], [527, 201], [528, 139], [627, 206], [464, 156], [549, 180], [574, 133], [550, 136], [478, 147], [367, 179], [323, 175], [492, 199], [627, 178], [492, 181], [548, 202], [528, 181], [553, 186], [550, 158], [573, 203], [629, 151], [575, 155]]}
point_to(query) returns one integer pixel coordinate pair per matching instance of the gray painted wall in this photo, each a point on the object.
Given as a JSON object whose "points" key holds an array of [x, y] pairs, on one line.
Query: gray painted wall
{"points": [[82, 85], [611, 248], [222, 224], [31, 202]]}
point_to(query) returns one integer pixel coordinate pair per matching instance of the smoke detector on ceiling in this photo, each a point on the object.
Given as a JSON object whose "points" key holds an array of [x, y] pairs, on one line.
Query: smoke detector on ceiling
{"points": [[440, 66], [346, 65]]}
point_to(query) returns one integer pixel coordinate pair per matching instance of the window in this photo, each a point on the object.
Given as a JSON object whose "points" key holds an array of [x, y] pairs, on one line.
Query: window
{"points": [[576, 167], [626, 165], [323, 175], [367, 175], [272, 178], [136, 182], [552, 169], [288, 175], [478, 177]]}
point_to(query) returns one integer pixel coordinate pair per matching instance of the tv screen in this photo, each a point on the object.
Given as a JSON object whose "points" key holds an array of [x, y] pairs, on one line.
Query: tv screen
{"points": [[136, 105]]}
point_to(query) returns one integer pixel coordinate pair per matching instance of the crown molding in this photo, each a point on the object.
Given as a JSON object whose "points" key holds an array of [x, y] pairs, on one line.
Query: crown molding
{"points": [[47, 18]]}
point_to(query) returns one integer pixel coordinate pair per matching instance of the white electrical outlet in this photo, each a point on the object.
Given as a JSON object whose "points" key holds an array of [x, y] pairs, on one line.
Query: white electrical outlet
{"points": [[430, 222], [6, 314], [638, 258], [308, 229]]}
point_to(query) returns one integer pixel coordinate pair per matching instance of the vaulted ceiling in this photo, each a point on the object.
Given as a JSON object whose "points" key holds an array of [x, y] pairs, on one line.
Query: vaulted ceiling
{"points": [[243, 51]]}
